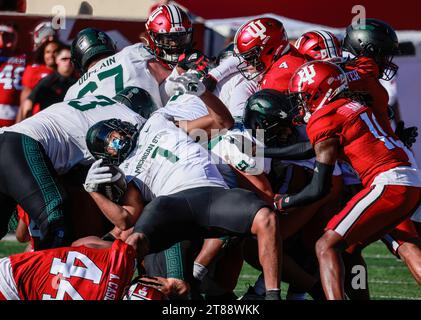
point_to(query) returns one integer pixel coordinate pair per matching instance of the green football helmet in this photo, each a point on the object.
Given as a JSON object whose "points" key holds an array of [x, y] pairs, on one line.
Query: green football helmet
{"points": [[89, 44], [269, 110], [375, 39], [138, 100], [99, 140]]}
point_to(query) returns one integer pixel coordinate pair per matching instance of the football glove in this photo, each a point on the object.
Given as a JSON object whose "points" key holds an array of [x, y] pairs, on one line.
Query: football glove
{"points": [[97, 175], [187, 83], [194, 60], [407, 135]]}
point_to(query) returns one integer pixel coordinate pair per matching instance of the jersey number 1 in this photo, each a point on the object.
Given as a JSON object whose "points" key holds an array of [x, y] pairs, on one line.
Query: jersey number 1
{"points": [[378, 132]]}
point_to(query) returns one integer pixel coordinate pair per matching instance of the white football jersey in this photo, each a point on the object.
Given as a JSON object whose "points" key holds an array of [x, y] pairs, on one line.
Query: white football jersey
{"points": [[238, 148], [166, 161], [185, 107], [234, 91], [129, 67], [61, 128]]}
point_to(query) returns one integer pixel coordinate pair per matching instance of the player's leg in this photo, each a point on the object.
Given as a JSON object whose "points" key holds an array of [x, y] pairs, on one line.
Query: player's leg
{"points": [[405, 243], [7, 207], [369, 215], [32, 182]]}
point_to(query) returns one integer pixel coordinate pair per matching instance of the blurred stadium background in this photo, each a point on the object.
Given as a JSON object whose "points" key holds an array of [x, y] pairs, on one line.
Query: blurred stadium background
{"points": [[215, 24]]}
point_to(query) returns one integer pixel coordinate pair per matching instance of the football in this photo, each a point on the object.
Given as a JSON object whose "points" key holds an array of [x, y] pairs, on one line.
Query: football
{"points": [[116, 189]]}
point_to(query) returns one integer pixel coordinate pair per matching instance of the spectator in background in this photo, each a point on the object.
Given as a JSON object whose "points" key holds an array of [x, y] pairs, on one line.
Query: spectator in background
{"points": [[11, 69], [43, 65], [53, 87]]}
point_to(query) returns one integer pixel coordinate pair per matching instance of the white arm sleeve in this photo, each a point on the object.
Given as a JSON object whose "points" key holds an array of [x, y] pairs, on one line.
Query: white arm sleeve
{"points": [[226, 68]]}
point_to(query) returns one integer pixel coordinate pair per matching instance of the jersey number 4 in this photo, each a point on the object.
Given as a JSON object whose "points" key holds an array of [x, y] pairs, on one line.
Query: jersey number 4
{"points": [[66, 270]]}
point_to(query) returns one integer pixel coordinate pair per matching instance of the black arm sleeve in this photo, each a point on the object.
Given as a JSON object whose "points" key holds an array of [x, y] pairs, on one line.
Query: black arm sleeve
{"points": [[297, 151], [319, 187]]}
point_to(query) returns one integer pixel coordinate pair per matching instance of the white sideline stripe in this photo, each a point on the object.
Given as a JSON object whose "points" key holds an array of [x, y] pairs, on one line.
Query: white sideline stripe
{"points": [[396, 297], [380, 256], [371, 197], [9, 237]]}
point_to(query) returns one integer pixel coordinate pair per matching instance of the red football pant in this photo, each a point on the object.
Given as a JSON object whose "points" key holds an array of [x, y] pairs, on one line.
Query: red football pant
{"points": [[374, 211], [404, 232]]}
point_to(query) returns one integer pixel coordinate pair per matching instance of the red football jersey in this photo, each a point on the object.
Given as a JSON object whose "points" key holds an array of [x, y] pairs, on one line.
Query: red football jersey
{"points": [[11, 70], [363, 75], [74, 273], [281, 72], [364, 143], [34, 73]]}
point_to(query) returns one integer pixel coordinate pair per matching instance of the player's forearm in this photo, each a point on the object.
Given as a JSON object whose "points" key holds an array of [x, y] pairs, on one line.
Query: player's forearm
{"points": [[318, 188], [297, 151], [117, 214], [222, 118], [24, 110]]}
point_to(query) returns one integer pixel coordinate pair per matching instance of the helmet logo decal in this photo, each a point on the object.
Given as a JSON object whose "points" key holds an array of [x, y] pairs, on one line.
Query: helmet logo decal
{"points": [[307, 73], [257, 29]]}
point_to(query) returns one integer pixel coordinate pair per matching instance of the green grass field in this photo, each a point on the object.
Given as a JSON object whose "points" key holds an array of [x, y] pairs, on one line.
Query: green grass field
{"points": [[388, 277]]}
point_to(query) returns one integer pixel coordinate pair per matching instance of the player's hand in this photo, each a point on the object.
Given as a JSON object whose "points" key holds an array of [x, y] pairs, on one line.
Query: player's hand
{"points": [[277, 203], [170, 287], [96, 176], [407, 135], [187, 83], [210, 82], [194, 60]]}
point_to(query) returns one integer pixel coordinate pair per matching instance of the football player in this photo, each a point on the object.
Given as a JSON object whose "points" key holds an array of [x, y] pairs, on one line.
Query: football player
{"points": [[263, 47], [174, 172], [106, 71], [50, 144], [341, 126], [92, 269], [12, 66], [370, 48]]}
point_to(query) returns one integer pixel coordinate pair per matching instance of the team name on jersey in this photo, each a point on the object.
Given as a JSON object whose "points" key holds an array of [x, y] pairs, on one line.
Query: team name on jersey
{"points": [[112, 288], [352, 76], [148, 151], [109, 62]]}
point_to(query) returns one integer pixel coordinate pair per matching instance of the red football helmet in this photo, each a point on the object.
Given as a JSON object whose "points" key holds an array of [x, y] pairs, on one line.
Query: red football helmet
{"points": [[8, 39], [319, 45], [314, 84], [259, 43], [43, 32], [138, 291], [170, 33]]}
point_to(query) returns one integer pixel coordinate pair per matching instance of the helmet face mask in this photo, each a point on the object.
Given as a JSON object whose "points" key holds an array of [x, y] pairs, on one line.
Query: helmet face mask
{"points": [[170, 33], [111, 140], [250, 65], [9, 39]]}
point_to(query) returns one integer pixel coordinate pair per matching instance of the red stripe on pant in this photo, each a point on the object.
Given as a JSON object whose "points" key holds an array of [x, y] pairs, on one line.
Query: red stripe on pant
{"points": [[2, 297], [375, 211]]}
